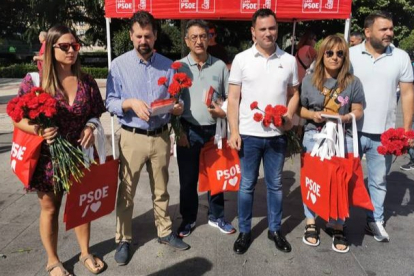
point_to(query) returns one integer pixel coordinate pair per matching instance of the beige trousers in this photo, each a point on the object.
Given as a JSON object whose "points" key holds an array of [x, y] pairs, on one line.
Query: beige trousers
{"points": [[137, 150]]}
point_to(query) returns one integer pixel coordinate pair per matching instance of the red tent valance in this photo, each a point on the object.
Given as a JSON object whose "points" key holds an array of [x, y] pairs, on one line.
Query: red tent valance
{"points": [[286, 10]]}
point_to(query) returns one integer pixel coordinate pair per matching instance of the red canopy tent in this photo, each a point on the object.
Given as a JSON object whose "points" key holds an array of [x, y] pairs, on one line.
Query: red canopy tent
{"points": [[286, 10]]}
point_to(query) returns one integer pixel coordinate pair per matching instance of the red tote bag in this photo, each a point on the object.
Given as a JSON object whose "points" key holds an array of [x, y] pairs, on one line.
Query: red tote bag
{"points": [[315, 184], [358, 194], [25, 152], [94, 196], [219, 169]]}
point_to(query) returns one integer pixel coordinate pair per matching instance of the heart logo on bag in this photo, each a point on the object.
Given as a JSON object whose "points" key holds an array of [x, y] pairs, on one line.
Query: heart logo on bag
{"points": [[313, 198], [233, 181], [95, 206]]}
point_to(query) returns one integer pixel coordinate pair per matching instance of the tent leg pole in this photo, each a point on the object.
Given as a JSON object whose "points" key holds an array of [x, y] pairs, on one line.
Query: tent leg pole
{"points": [[293, 38], [108, 41], [347, 28]]}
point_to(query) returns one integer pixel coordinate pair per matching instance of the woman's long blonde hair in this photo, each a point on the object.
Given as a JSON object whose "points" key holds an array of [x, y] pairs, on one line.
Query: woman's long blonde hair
{"points": [[344, 77], [50, 79]]}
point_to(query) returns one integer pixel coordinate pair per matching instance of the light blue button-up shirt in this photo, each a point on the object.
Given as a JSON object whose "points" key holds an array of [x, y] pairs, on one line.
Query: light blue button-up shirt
{"points": [[130, 77]]}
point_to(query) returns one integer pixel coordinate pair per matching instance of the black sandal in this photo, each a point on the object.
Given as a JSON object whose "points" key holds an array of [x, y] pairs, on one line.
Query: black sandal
{"points": [[314, 234], [339, 239]]}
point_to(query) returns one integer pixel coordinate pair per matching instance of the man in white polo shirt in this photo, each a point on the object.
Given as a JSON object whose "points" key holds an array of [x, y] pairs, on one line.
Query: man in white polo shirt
{"points": [[381, 67], [267, 75]]}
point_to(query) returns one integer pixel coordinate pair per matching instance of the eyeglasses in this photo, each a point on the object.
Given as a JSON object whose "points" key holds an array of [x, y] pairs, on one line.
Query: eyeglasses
{"points": [[330, 53], [193, 38], [65, 46]]}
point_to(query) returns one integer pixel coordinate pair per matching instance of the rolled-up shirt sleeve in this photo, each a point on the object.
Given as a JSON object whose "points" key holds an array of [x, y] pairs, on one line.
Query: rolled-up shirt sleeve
{"points": [[114, 98]]}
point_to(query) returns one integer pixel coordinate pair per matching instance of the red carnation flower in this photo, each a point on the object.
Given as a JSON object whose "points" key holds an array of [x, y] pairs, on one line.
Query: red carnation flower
{"points": [[254, 105], [267, 121], [162, 80], [258, 117], [174, 88], [180, 77], [186, 83], [176, 65]]}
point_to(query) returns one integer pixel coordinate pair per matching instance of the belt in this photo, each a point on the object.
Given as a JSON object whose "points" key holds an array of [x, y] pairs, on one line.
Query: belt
{"points": [[144, 131]]}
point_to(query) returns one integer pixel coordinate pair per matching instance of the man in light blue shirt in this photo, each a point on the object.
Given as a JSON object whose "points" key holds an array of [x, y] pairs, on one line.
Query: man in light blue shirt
{"points": [[132, 86], [381, 67]]}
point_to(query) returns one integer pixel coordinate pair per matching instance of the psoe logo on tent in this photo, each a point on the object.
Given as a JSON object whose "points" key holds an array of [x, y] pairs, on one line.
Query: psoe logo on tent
{"points": [[188, 5], [206, 5], [125, 6], [311, 5], [249, 6], [314, 190], [330, 6], [269, 4]]}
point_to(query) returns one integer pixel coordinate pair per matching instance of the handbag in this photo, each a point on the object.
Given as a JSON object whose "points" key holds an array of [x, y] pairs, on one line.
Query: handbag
{"points": [[25, 152], [94, 196], [219, 167], [25, 149]]}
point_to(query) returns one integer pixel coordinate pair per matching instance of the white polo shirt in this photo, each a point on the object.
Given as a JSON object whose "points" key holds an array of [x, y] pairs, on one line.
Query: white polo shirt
{"points": [[265, 80], [380, 78]]}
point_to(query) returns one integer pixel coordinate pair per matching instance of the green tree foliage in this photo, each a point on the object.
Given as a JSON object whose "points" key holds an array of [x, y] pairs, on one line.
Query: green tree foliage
{"points": [[401, 10], [121, 41], [407, 43]]}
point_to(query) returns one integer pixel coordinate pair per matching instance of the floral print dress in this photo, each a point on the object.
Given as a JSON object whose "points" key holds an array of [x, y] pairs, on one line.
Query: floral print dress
{"points": [[70, 119]]}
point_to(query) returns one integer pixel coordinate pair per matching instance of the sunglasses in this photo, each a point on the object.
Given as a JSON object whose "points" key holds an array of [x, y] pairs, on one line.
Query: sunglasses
{"points": [[65, 46], [330, 53]]}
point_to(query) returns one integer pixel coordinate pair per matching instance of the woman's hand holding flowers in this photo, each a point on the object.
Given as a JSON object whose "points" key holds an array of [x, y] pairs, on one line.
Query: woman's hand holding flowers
{"points": [[87, 139]]}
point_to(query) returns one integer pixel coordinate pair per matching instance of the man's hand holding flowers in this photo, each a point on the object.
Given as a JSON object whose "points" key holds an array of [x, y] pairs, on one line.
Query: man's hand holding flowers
{"points": [[178, 109]]}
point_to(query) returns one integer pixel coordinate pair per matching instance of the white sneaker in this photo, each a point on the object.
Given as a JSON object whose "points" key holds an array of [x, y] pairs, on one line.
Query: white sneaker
{"points": [[378, 231]]}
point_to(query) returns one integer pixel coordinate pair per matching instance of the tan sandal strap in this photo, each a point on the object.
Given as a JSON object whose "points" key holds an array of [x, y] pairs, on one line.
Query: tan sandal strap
{"points": [[90, 257], [57, 265]]}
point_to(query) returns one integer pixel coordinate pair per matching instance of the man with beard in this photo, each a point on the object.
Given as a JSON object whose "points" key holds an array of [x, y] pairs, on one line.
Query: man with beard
{"points": [[131, 88], [381, 67]]}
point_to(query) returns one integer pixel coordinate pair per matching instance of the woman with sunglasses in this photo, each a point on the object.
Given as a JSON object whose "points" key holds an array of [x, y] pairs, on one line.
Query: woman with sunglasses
{"points": [[331, 89], [79, 100]]}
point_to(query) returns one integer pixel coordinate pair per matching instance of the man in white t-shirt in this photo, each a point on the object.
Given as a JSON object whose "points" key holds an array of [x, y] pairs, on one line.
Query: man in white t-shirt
{"points": [[381, 67], [267, 75]]}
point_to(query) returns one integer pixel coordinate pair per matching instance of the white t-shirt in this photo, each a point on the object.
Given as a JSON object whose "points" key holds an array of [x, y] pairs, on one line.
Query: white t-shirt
{"points": [[380, 78], [264, 80]]}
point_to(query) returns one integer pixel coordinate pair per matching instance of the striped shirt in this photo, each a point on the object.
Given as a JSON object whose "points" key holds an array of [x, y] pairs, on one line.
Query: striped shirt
{"points": [[130, 77]]}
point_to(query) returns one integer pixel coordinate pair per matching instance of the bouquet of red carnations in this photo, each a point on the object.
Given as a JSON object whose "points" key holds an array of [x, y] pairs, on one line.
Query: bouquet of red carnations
{"points": [[274, 115], [180, 81], [395, 141], [39, 108]]}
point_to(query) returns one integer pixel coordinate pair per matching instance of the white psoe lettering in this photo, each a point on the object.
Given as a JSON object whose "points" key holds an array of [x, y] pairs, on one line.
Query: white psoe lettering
{"points": [[229, 172], [93, 195], [17, 151], [313, 186]]}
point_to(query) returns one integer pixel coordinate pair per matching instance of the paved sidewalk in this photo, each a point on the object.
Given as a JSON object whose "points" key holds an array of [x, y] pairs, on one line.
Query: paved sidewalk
{"points": [[21, 251]]}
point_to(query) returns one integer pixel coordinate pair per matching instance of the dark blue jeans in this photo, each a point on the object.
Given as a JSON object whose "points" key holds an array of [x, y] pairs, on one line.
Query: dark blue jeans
{"points": [[188, 161], [272, 151]]}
